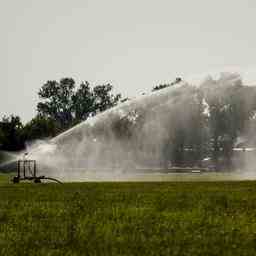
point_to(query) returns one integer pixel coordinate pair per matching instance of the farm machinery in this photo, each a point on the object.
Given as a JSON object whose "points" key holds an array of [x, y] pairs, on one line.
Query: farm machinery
{"points": [[27, 171]]}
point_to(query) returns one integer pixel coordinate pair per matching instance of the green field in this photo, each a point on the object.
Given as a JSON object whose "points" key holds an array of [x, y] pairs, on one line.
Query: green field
{"points": [[129, 218]]}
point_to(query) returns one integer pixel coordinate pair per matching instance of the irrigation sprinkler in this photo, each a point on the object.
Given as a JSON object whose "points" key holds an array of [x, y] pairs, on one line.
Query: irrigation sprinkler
{"points": [[27, 170]]}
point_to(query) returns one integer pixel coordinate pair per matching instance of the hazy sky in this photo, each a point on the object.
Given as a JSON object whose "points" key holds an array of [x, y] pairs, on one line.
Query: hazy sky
{"points": [[134, 44]]}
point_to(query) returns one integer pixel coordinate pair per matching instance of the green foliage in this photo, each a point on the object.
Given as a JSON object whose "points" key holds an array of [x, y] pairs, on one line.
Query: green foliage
{"points": [[40, 127], [103, 98], [61, 107], [57, 102], [11, 132], [68, 106], [190, 218], [83, 102], [1, 137]]}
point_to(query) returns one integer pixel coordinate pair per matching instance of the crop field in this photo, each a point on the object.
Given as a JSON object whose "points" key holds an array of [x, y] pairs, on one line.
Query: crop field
{"points": [[128, 218]]}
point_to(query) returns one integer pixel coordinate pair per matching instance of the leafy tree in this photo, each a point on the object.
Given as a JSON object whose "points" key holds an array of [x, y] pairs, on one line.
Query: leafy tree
{"points": [[1, 137], [83, 102], [40, 127], [103, 98], [68, 106], [57, 101], [89, 101], [12, 136]]}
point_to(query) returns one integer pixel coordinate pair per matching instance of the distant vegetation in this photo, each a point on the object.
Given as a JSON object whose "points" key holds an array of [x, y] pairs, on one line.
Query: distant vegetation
{"points": [[62, 105]]}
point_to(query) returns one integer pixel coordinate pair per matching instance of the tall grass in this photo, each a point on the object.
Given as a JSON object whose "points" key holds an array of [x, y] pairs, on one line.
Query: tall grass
{"points": [[186, 218]]}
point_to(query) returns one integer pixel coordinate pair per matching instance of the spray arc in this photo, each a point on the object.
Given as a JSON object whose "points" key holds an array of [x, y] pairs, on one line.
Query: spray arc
{"points": [[131, 135]]}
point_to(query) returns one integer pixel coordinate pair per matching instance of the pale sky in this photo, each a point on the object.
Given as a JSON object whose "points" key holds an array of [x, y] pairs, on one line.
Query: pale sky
{"points": [[134, 44]]}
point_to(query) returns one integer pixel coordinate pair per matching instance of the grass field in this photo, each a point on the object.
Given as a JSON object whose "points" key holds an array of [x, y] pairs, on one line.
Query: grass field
{"points": [[129, 218]]}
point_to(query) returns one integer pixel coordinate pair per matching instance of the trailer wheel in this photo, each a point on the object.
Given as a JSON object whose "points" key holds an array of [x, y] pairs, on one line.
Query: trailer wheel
{"points": [[15, 179], [37, 180]]}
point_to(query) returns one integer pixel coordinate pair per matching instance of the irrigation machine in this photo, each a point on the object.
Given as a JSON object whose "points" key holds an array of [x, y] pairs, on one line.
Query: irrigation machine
{"points": [[27, 170]]}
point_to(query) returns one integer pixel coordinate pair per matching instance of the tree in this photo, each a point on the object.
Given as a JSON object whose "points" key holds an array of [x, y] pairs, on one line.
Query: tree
{"points": [[57, 101], [1, 137], [103, 98], [40, 127], [12, 135], [68, 106], [83, 102]]}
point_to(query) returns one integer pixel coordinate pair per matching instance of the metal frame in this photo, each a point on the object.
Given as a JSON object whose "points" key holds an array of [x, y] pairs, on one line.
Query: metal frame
{"points": [[25, 166]]}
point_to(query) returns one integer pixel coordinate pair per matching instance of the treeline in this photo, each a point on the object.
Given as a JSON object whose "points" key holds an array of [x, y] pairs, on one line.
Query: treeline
{"points": [[62, 105], [201, 122]]}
